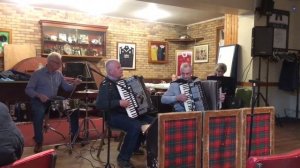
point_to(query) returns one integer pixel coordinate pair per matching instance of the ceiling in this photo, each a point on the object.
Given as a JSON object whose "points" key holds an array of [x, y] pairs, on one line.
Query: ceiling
{"points": [[182, 12]]}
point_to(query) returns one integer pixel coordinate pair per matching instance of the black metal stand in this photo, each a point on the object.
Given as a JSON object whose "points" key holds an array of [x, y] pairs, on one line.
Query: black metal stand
{"points": [[69, 144], [86, 120], [108, 146], [255, 100], [47, 126]]}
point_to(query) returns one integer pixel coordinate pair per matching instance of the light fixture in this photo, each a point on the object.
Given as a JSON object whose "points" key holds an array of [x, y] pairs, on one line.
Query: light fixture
{"points": [[152, 13]]}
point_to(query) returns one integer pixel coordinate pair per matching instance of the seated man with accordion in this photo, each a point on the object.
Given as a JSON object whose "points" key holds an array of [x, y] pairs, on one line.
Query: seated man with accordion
{"points": [[190, 94], [121, 112]]}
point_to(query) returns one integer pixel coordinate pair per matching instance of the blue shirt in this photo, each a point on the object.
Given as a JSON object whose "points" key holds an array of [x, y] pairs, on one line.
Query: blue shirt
{"points": [[169, 97], [44, 82]]}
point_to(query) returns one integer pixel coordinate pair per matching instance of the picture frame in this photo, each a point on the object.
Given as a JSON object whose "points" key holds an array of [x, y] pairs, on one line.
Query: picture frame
{"points": [[5, 38], [126, 54], [279, 20], [201, 53], [183, 56], [157, 52]]}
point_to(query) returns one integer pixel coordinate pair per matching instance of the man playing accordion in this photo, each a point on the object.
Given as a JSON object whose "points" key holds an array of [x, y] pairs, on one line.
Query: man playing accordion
{"points": [[114, 108], [175, 96]]}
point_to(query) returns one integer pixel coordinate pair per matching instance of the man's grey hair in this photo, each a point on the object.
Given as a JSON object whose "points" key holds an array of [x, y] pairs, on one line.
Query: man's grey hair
{"points": [[184, 66], [53, 56]]}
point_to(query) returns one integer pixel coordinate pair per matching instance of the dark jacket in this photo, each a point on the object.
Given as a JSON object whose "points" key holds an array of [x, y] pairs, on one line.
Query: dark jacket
{"points": [[108, 99], [11, 139]]}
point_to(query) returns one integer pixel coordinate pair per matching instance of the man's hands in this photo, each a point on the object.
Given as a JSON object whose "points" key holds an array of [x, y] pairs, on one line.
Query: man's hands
{"points": [[77, 81], [43, 98], [74, 81], [222, 97], [124, 103], [181, 98]]}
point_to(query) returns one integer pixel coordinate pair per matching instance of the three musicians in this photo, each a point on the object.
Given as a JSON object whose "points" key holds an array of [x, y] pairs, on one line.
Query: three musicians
{"points": [[44, 85]]}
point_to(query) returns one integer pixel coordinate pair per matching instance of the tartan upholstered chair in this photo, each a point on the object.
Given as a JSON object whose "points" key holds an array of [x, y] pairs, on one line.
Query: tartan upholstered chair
{"points": [[45, 159], [284, 160]]}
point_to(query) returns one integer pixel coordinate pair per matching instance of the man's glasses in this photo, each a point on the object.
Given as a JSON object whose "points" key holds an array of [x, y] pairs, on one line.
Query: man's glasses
{"points": [[56, 62]]}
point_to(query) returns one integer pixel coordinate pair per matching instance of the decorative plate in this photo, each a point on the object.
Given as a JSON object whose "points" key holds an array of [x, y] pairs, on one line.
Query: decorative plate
{"points": [[67, 49]]}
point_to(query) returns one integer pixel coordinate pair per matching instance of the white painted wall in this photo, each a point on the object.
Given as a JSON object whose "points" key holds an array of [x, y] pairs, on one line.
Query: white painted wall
{"points": [[246, 23], [284, 102]]}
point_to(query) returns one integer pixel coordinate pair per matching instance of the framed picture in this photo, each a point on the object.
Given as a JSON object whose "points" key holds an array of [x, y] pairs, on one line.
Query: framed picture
{"points": [[201, 53], [5, 38], [183, 56], [126, 55], [158, 52], [279, 20]]}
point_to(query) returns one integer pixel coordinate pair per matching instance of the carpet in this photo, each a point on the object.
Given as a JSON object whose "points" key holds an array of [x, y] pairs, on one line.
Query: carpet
{"points": [[62, 126]]}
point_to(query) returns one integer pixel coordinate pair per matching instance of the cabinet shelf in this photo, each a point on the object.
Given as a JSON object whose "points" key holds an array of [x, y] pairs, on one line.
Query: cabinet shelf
{"points": [[75, 44], [73, 41], [188, 40], [78, 57]]}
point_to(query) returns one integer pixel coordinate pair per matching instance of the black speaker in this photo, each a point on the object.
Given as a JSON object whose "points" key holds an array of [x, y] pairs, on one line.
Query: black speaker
{"points": [[262, 41]]}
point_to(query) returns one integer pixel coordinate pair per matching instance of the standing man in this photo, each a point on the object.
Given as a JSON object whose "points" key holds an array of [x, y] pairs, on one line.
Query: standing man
{"points": [[114, 109], [42, 88]]}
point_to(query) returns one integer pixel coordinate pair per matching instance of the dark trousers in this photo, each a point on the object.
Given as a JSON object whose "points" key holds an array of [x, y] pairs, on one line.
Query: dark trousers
{"points": [[39, 110], [132, 127]]}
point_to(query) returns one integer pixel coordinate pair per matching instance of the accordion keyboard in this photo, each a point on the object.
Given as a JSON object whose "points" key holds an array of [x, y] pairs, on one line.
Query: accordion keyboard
{"points": [[126, 93], [189, 103]]}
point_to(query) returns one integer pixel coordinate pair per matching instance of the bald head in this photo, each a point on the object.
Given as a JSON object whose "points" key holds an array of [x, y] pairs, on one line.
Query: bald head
{"points": [[186, 71], [113, 68]]}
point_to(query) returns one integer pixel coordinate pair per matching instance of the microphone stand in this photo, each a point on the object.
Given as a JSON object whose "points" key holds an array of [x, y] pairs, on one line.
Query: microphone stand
{"points": [[108, 165], [253, 101]]}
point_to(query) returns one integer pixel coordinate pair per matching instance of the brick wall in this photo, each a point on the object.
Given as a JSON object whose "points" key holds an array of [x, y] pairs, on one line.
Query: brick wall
{"points": [[207, 30], [25, 29]]}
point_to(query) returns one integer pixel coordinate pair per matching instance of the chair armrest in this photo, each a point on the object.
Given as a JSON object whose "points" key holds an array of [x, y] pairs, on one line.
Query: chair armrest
{"points": [[46, 159]]}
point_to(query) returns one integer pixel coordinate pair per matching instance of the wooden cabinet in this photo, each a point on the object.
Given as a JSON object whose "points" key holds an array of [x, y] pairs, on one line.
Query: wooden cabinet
{"points": [[72, 40]]}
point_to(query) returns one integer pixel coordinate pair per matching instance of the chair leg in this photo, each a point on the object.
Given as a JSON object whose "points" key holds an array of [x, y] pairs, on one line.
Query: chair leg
{"points": [[101, 142], [121, 138]]}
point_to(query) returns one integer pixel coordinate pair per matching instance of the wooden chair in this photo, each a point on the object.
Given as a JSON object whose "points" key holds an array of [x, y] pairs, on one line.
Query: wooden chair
{"points": [[45, 159], [284, 160]]}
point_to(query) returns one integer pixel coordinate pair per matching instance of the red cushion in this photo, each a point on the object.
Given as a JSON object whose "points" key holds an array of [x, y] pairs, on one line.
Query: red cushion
{"points": [[284, 160]]}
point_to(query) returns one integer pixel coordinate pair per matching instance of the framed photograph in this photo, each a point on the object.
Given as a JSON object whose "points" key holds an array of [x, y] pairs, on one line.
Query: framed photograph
{"points": [[279, 20], [126, 55], [183, 56], [201, 53], [5, 38], [158, 52]]}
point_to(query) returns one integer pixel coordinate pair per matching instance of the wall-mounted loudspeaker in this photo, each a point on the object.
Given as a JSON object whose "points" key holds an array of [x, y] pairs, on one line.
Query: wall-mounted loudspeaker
{"points": [[262, 41]]}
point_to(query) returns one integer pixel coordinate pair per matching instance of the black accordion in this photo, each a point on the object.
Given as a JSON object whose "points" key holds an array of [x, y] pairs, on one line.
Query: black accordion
{"points": [[202, 95], [133, 89]]}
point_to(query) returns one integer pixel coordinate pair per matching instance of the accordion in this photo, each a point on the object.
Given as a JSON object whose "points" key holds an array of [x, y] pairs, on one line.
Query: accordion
{"points": [[133, 89], [202, 95]]}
